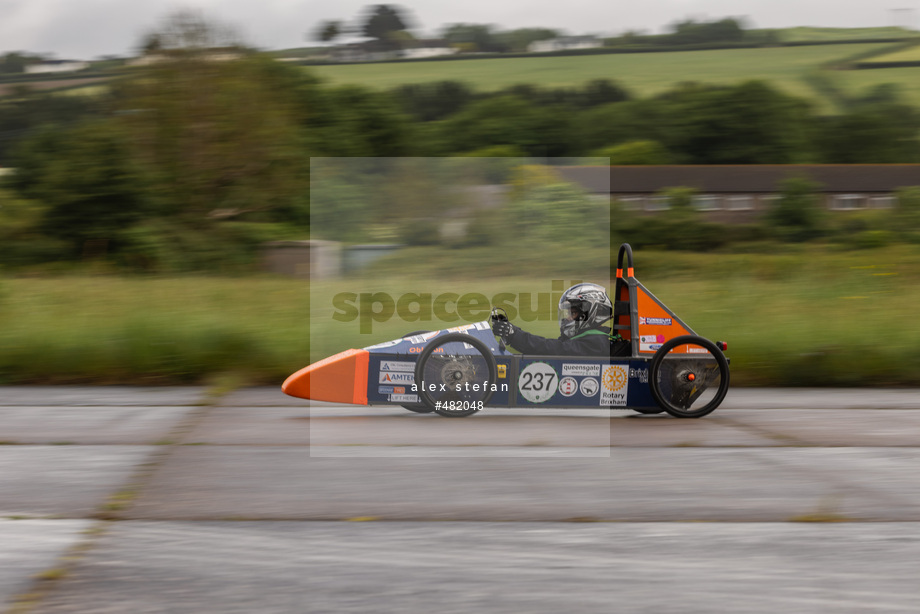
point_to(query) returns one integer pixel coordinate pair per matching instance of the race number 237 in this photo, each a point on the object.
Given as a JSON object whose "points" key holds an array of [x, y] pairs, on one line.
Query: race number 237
{"points": [[538, 382]]}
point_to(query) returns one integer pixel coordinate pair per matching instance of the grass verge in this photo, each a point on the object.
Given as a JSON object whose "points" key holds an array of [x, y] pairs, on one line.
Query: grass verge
{"points": [[809, 316]]}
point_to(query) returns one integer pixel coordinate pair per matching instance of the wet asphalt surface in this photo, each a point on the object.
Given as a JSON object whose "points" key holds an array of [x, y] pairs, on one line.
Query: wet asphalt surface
{"points": [[166, 500]]}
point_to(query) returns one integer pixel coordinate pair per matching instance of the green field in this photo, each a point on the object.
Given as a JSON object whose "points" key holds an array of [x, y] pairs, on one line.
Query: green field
{"points": [[910, 54], [796, 317], [857, 82], [813, 34], [644, 74]]}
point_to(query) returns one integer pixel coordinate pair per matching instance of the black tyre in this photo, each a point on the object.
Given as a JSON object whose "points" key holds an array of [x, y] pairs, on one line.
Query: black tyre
{"points": [[690, 384], [455, 374], [419, 408]]}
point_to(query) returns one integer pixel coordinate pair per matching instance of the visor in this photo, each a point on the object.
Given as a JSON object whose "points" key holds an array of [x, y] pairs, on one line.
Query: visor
{"points": [[567, 322]]}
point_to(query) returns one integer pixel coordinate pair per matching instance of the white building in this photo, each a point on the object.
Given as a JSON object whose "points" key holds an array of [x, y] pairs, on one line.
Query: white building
{"points": [[565, 43], [56, 66], [209, 55], [428, 49]]}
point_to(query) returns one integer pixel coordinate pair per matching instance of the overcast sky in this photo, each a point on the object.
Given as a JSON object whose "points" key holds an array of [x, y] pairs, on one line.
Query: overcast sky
{"points": [[86, 29]]}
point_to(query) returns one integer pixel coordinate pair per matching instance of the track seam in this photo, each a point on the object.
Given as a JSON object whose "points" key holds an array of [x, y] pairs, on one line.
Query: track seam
{"points": [[110, 511]]}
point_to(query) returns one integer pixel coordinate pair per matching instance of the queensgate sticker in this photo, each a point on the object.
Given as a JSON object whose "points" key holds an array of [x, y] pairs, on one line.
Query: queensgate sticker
{"points": [[581, 369]]}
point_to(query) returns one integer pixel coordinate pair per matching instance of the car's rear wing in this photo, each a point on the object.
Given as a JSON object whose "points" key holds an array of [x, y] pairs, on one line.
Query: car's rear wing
{"points": [[639, 316]]}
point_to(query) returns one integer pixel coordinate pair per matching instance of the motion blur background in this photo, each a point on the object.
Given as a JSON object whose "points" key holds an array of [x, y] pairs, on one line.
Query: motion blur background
{"points": [[188, 211]]}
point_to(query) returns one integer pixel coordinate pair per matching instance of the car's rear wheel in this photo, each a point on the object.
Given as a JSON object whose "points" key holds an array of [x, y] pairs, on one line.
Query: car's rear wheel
{"points": [[693, 380], [455, 375]]}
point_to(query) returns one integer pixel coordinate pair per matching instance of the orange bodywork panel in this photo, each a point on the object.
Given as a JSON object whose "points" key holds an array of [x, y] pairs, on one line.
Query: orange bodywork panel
{"points": [[657, 324], [338, 379]]}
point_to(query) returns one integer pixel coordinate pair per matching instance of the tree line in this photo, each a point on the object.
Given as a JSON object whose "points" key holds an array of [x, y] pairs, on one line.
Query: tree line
{"points": [[192, 163], [390, 28], [692, 123]]}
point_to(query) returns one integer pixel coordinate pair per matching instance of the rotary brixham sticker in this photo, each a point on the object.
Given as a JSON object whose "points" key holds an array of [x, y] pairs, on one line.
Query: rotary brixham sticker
{"points": [[614, 385], [538, 382]]}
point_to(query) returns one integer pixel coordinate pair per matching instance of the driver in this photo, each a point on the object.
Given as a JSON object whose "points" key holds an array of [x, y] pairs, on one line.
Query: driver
{"points": [[583, 310]]}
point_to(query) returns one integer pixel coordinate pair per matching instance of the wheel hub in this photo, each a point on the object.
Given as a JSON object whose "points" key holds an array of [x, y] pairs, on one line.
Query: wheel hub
{"points": [[456, 372]]}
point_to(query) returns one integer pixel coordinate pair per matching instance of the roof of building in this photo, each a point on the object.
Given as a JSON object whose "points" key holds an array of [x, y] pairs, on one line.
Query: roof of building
{"points": [[750, 178]]}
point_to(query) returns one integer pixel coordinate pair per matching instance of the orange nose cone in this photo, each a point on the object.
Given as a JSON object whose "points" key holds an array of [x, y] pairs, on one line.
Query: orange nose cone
{"points": [[338, 379]]}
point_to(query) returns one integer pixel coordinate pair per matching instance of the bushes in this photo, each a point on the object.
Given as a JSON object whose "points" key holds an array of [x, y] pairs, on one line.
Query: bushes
{"points": [[558, 213], [906, 218], [796, 215]]}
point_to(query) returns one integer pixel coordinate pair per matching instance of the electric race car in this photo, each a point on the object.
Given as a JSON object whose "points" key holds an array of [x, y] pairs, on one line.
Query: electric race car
{"points": [[459, 371]]}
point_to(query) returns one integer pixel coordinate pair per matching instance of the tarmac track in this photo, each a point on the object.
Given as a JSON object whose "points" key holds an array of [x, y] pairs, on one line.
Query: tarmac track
{"points": [[163, 500]]}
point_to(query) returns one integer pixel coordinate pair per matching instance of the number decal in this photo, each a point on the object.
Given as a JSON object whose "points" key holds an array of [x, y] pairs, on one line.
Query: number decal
{"points": [[538, 382]]}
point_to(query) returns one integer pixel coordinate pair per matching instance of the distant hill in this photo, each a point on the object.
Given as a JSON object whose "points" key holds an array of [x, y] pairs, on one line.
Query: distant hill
{"points": [[808, 34], [645, 74], [810, 67]]}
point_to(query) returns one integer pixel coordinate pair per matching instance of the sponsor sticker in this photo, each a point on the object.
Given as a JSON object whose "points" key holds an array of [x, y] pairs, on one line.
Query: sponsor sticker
{"points": [[502, 371], [649, 347], [475, 326], [589, 387], [568, 386], [538, 382], [391, 389], [614, 385], [655, 321], [385, 344], [396, 378], [403, 398], [581, 369], [415, 340], [392, 365], [639, 374], [692, 350], [651, 339]]}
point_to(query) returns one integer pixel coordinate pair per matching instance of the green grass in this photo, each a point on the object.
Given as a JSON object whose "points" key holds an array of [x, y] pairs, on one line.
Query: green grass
{"points": [[110, 329], [810, 316], [858, 82], [88, 90], [813, 34], [643, 74], [910, 54]]}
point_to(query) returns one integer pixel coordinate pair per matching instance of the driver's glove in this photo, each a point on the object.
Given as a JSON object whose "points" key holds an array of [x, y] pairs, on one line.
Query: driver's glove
{"points": [[503, 329]]}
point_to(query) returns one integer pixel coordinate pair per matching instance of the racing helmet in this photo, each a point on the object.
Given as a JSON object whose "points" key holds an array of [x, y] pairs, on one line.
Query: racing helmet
{"points": [[583, 307]]}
